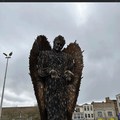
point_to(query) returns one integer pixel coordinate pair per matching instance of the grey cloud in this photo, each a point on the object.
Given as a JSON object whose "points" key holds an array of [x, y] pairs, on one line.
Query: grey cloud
{"points": [[100, 39], [98, 36]]}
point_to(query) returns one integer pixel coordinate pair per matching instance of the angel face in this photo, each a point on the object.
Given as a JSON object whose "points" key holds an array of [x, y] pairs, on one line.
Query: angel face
{"points": [[58, 43]]}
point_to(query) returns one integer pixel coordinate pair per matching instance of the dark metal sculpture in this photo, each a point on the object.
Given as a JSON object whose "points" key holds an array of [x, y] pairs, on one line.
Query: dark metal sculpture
{"points": [[56, 76]]}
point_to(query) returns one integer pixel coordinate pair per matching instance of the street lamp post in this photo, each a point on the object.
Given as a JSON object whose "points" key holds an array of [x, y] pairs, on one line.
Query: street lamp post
{"points": [[7, 57]]}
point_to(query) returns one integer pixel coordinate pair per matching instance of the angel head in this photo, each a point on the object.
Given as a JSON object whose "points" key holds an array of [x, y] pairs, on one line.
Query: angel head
{"points": [[58, 44]]}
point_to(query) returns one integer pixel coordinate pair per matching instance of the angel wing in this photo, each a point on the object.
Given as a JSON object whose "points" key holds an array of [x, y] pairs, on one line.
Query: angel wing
{"points": [[40, 44], [73, 89]]}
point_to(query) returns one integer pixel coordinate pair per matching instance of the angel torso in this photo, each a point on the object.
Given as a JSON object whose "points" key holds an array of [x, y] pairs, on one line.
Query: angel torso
{"points": [[55, 88], [58, 61]]}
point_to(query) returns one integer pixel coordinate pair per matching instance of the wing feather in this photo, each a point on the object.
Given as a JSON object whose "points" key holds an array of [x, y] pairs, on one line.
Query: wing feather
{"points": [[39, 45], [73, 89]]}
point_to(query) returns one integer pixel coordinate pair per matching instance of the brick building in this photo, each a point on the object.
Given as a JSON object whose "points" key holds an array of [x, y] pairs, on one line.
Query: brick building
{"points": [[105, 110], [20, 113]]}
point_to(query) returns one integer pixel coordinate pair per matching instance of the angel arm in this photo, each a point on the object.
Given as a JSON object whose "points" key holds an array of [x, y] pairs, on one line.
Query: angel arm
{"points": [[68, 75], [47, 71], [69, 71], [43, 72], [42, 69], [43, 66]]}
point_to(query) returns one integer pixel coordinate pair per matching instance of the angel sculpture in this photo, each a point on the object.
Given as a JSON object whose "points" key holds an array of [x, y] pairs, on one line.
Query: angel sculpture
{"points": [[56, 76]]}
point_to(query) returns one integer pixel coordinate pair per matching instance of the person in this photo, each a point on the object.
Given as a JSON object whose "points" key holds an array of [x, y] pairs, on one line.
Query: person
{"points": [[55, 68]]}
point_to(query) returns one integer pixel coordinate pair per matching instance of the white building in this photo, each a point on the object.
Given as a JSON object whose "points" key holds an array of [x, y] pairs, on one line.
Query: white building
{"points": [[118, 102], [78, 113], [118, 105], [88, 111]]}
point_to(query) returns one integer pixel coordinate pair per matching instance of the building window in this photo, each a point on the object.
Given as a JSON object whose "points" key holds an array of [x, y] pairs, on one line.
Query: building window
{"points": [[88, 115], [92, 115], [100, 114], [78, 116], [110, 113], [77, 110], [85, 115], [91, 108], [74, 116], [82, 116], [85, 108]]}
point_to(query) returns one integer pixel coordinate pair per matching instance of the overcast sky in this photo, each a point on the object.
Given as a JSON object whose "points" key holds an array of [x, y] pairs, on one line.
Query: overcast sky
{"points": [[95, 26]]}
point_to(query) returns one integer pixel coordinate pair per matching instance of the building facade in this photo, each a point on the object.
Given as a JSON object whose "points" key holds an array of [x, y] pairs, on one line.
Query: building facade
{"points": [[108, 110], [104, 110], [78, 113], [20, 113], [118, 102], [118, 105], [88, 111]]}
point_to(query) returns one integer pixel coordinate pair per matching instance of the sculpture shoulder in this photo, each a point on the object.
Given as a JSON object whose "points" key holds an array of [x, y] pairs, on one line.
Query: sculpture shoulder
{"points": [[68, 56], [45, 52]]}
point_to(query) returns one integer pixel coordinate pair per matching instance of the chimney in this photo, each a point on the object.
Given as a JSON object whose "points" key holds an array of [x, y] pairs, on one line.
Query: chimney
{"points": [[107, 99]]}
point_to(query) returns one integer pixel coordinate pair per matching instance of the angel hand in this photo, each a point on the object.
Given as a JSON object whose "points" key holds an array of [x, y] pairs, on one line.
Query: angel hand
{"points": [[68, 75], [41, 73], [53, 74]]}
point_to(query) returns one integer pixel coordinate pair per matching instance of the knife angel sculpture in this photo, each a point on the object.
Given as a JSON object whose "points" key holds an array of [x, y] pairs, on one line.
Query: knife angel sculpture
{"points": [[56, 75]]}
